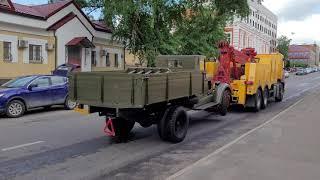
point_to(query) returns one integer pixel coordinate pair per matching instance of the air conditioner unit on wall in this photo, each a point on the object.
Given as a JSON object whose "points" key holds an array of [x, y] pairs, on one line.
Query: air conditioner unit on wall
{"points": [[103, 53], [22, 44], [49, 47]]}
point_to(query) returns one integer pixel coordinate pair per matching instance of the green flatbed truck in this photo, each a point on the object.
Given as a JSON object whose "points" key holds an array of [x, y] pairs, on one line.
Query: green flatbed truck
{"points": [[149, 96]]}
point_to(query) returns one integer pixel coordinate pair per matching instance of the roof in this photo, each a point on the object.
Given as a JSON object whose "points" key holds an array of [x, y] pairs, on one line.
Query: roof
{"points": [[44, 11], [41, 11], [100, 24], [82, 41], [62, 21]]}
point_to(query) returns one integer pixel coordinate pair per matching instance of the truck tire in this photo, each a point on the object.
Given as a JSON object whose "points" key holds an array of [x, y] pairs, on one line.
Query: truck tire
{"points": [[225, 103], [257, 101], [265, 98], [122, 128], [177, 124], [162, 124], [279, 96]]}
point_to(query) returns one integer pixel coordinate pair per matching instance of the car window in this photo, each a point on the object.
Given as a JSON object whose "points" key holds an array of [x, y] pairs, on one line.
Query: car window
{"points": [[42, 82], [56, 80], [18, 82]]}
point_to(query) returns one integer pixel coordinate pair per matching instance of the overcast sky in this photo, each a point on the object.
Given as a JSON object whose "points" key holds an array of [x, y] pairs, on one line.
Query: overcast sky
{"points": [[298, 19]]}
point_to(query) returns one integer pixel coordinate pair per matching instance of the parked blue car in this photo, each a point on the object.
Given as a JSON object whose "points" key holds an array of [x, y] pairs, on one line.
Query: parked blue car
{"points": [[24, 93]]}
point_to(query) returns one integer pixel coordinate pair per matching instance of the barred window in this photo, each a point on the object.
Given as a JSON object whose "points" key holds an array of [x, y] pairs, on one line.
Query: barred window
{"points": [[93, 58], [35, 53], [7, 51], [116, 60], [108, 60]]}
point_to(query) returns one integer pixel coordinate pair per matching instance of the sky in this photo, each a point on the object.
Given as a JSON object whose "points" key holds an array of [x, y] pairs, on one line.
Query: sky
{"points": [[297, 19]]}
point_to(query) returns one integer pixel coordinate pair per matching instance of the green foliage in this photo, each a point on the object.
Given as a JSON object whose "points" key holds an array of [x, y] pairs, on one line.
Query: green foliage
{"points": [[144, 24], [152, 27], [288, 64], [283, 46], [299, 64]]}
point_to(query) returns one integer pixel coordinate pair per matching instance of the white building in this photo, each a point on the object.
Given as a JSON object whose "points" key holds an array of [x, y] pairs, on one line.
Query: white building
{"points": [[258, 30], [35, 39]]}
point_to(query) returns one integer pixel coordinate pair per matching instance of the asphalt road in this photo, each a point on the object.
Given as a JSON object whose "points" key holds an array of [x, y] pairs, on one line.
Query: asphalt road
{"points": [[65, 145]]}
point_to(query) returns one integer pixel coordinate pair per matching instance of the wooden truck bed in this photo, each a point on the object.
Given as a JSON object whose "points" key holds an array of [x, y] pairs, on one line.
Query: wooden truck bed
{"points": [[134, 90]]}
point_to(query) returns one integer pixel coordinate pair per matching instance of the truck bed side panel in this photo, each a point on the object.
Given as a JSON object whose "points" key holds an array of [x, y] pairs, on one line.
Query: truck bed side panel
{"points": [[118, 89], [179, 85], [157, 91], [89, 87]]}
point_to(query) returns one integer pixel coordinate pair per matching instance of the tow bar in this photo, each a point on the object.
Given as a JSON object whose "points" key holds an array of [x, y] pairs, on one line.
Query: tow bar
{"points": [[109, 128]]}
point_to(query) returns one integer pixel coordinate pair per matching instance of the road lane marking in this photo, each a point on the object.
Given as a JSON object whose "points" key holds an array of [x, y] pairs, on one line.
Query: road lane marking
{"points": [[188, 168], [21, 146]]}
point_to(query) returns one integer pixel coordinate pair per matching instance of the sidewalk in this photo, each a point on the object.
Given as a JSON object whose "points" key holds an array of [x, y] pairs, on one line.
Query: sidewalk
{"points": [[286, 148]]}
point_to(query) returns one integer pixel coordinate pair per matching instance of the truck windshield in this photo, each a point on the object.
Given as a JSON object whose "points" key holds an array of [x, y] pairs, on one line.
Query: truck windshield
{"points": [[18, 82]]}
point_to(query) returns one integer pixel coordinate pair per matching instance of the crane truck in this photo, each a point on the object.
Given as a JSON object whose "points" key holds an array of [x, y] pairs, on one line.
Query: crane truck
{"points": [[163, 94]]}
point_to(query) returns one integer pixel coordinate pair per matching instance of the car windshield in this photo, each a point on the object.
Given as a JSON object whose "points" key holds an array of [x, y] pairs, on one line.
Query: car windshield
{"points": [[18, 82]]}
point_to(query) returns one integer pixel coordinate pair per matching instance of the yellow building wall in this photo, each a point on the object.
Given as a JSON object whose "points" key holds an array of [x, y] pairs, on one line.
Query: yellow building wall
{"points": [[10, 70]]}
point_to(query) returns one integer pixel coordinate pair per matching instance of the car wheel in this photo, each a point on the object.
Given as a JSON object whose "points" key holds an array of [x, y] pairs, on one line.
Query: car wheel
{"points": [[15, 109], [69, 104]]}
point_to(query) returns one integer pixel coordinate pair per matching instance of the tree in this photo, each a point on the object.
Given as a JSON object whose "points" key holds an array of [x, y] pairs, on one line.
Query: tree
{"points": [[283, 48], [151, 27], [88, 5], [145, 25]]}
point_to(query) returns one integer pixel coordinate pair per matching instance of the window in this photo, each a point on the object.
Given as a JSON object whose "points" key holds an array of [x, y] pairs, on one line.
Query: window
{"points": [[93, 58], [116, 60], [108, 60], [18, 82], [56, 81], [7, 51], [35, 53], [42, 82]]}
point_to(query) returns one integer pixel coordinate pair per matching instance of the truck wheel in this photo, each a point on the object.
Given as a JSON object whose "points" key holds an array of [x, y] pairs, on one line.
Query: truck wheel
{"points": [[15, 109], [225, 103], [122, 128], [257, 101], [178, 124], [162, 124], [279, 97], [265, 99]]}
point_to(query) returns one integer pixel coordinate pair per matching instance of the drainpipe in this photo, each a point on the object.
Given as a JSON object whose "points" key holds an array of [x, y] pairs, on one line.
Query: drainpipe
{"points": [[55, 50]]}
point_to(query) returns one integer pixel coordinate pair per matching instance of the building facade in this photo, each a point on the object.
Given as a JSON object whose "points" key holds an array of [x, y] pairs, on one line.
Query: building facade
{"points": [[258, 30], [36, 39], [306, 54]]}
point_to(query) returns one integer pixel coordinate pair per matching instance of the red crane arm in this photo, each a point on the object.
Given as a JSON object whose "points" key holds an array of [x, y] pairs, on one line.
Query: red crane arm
{"points": [[230, 59]]}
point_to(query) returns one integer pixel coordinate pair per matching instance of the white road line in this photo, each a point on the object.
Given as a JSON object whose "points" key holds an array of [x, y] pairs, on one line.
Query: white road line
{"points": [[21, 146], [188, 168]]}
